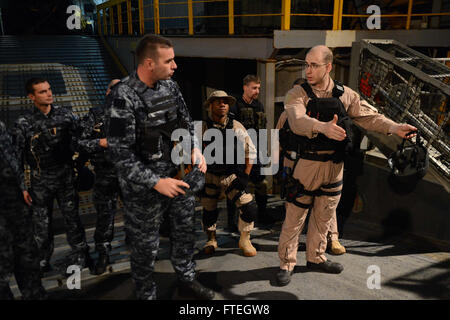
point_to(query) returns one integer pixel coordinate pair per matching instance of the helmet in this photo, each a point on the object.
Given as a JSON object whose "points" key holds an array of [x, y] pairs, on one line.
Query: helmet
{"points": [[408, 165]]}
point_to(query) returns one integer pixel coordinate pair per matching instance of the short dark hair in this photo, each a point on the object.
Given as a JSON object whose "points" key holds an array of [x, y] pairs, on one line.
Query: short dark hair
{"points": [[148, 46], [31, 82], [250, 78]]}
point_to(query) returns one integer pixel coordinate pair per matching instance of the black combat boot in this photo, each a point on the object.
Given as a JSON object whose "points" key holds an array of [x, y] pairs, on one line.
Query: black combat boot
{"points": [[82, 259], [284, 277], [327, 267], [102, 263], [194, 289]]}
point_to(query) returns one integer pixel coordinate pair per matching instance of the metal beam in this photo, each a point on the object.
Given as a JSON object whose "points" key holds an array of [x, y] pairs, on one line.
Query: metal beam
{"points": [[345, 38], [156, 16], [191, 18], [141, 17], [119, 19], [286, 15], [230, 16], [129, 17], [228, 48]]}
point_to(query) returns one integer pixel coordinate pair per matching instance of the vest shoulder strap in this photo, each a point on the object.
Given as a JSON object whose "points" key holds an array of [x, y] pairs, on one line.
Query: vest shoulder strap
{"points": [[126, 83], [305, 85], [338, 89], [286, 125]]}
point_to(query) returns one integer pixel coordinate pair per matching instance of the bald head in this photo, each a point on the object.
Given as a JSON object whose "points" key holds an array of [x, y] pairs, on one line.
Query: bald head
{"points": [[111, 84], [319, 62], [323, 51]]}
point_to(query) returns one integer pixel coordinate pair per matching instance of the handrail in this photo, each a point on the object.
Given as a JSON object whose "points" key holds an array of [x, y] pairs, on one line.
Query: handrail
{"points": [[285, 15]]}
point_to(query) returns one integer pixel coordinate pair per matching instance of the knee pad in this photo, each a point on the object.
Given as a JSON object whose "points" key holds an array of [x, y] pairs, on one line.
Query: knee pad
{"points": [[249, 211], [209, 218]]}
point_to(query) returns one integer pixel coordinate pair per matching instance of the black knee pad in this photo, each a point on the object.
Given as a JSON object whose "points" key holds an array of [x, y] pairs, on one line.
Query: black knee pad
{"points": [[249, 211], [209, 217]]}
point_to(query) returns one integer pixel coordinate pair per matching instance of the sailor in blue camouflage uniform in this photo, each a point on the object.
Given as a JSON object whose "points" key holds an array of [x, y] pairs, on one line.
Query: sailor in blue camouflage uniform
{"points": [[45, 139], [106, 188], [18, 251], [147, 106]]}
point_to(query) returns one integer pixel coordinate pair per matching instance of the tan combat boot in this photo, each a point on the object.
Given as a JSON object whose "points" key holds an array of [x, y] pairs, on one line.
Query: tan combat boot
{"points": [[246, 245], [211, 245], [336, 248]]}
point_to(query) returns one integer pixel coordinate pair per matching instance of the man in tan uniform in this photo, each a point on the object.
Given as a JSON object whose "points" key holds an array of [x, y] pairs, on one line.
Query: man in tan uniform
{"points": [[319, 170], [230, 179], [333, 243]]}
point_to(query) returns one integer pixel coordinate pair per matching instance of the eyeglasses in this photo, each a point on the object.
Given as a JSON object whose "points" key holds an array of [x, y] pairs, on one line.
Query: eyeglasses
{"points": [[314, 66]]}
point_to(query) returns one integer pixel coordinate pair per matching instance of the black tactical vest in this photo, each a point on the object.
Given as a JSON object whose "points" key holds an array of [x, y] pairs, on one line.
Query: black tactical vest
{"points": [[224, 168], [250, 116], [50, 144], [154, 129], [288, 140], [324, 109]]}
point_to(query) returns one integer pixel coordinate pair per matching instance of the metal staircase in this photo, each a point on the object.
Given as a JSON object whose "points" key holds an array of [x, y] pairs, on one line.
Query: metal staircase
{"points": [[77, 67]]}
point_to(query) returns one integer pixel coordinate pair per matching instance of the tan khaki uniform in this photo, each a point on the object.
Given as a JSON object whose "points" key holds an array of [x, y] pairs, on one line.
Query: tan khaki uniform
{"points": [[314, 174], [333, 233], [215, 185]]}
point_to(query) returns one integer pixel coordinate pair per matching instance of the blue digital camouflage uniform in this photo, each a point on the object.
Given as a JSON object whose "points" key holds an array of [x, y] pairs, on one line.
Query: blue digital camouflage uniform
{"points": [[46, 143], [139, 123], [106, 187], [18, 251]]}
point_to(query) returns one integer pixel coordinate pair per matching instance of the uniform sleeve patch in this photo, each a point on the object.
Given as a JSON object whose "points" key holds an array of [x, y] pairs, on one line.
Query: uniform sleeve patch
{"points": [[119, 103], [117, 127]]}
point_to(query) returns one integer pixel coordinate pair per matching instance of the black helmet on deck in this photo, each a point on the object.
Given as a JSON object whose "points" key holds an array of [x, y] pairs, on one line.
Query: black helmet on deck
{"points": [[408, 165]]}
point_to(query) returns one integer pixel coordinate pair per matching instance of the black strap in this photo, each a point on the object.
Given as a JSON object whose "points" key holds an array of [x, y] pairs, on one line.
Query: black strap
{"points": [[338, 89], [336, 157], [237, 196], [316, 157], [205, 195], [301, 191], [232, 186], [333, 185], [327, 193], [211, 186], [320, 192], [308, 90], [301, 205]]}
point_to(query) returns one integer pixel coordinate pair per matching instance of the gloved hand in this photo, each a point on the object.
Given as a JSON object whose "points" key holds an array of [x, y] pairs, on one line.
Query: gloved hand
{"points": [[242, 180]]}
